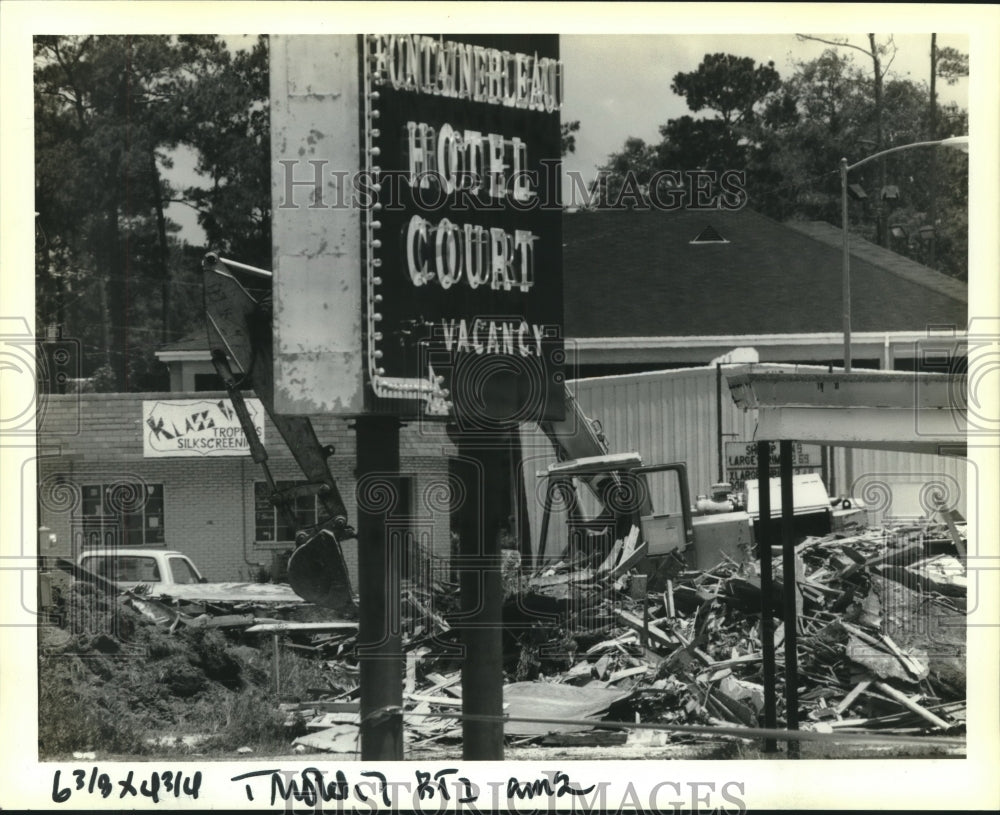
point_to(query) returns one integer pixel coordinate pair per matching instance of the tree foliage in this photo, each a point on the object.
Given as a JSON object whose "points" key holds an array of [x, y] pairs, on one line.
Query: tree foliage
{"points": [[109, 112], [952, 64], [789, 134], [730, 85], [567, 137]]}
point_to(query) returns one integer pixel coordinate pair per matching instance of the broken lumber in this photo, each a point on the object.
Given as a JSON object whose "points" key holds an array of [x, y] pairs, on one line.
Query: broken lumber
{"points": [[908, 703], [884, 644], [848, 700], [656, 633]]}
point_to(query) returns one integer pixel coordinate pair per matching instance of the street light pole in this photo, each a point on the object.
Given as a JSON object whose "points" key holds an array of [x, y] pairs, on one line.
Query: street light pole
{"points": [[959, 142], [846, 264]]}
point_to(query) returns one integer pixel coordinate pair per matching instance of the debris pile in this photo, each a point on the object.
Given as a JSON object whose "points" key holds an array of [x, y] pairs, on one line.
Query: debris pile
{"points": [[590, 652], [881, 647]]}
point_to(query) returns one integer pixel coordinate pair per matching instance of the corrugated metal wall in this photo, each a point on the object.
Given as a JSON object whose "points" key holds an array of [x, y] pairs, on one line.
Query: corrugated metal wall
{"points": [[669, 416], [905, 485]]}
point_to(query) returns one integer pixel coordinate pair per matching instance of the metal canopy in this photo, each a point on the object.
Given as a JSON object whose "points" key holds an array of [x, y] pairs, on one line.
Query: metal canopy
{"points": [[908, 412]]}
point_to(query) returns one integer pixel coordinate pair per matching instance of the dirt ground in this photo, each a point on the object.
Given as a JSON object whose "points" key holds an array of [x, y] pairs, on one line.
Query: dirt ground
{"points": [[114, 683]]}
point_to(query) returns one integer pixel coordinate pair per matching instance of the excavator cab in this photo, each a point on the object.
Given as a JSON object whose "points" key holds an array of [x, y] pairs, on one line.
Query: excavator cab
{"points": [[590, 503]]}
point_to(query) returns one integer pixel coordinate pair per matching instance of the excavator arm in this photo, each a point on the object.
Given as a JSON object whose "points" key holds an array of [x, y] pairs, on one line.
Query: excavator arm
{"points": [[238, 316]]}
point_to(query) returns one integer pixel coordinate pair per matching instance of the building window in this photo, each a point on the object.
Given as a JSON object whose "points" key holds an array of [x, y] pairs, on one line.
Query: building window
{"points": [[208, 382], [272, 525], [126, 513], [213, 382], [708, 235]]}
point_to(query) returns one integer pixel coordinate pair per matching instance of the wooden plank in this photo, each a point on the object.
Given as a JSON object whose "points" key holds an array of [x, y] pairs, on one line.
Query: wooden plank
{"points": [[611, 559], [848, 700], [444, 683], [744, 660], [224, 621], [956, 537], [625, 673], [912, 667], [444, 701], [909, 662], [275, 628], [410, 684], [630, 558], [607, 644], [909, 704], [671, 640]]}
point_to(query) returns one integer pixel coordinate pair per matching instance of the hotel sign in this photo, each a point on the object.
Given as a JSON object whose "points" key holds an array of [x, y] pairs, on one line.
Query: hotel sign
{"points": [[417, 177], [462, 239]]}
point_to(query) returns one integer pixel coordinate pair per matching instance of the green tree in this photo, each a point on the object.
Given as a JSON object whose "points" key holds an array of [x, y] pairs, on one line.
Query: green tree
{"points": [[735, 89], [230, 128], [568, 140], [790, 139], [109, 111], [731, 86]]}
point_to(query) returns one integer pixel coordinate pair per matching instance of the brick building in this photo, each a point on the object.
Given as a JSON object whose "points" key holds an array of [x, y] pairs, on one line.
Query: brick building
{"points": [[105, 479]]}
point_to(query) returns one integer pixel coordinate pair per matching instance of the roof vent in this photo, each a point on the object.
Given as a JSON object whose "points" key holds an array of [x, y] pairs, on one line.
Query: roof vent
{"points": [[709, 235]]}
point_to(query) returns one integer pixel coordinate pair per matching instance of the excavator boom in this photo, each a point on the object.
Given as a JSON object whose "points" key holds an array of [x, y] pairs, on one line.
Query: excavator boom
{"points": [[238, 315]]}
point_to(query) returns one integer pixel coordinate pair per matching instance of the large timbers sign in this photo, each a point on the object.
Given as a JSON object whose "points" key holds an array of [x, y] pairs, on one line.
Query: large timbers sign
{"points": [[741, 461], [455, 306]]}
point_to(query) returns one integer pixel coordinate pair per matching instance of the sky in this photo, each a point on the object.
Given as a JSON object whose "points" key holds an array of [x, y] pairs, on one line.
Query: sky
{"points": [[618, 86]]}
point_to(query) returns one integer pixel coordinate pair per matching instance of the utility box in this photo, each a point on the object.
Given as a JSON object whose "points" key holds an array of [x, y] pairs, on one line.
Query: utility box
{"points": [[663, 533], [717, 537], [811, 506], [48, 543]]}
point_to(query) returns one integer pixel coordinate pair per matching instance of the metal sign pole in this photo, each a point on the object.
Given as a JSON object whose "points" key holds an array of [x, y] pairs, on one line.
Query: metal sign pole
{"points": [[789, 594], [764, 536], [379, 640], [481, 602]]}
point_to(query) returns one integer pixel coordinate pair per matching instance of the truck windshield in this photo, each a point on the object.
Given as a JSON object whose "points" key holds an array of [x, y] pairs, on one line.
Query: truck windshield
{"points": [[182, 571], [124, 569], [576, 523]]}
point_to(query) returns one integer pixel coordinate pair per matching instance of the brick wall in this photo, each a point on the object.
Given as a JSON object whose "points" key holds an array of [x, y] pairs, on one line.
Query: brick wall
{"points": [[209, 502]]}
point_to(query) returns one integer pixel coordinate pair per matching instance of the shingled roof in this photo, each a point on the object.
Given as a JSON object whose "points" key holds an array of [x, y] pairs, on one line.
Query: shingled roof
{"points": [[646, 274], [197, 340], [705, 273]]}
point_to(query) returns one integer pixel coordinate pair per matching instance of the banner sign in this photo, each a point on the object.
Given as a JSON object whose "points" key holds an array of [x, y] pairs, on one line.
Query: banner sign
{"points": [[204, 427], [741, 461], [461, 233]]}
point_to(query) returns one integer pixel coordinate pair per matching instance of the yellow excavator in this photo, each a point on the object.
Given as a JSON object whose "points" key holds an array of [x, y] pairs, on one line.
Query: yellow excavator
{"points": [[238, 315], [621, 490]]}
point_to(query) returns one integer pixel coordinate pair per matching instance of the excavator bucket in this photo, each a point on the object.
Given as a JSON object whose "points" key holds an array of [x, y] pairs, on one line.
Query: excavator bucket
{"points": [[237, 309], [317, 573]]}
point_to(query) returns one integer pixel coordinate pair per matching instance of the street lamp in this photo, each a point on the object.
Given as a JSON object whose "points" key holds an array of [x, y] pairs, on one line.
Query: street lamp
{"points": [[959, 142]]}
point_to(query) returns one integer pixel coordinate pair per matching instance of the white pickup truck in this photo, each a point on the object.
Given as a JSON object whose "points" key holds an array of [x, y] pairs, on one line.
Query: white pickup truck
{"points": [[156, 568], [172, 573]]}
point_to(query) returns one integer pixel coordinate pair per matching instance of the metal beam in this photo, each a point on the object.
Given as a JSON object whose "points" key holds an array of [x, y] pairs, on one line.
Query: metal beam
{"points": [[486, 481], [380, 647], [763, 534], [789, 593], [900, 428]]}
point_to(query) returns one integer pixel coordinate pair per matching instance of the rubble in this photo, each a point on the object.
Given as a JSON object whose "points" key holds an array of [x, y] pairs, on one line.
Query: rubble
{"points": [[881, 647]]}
